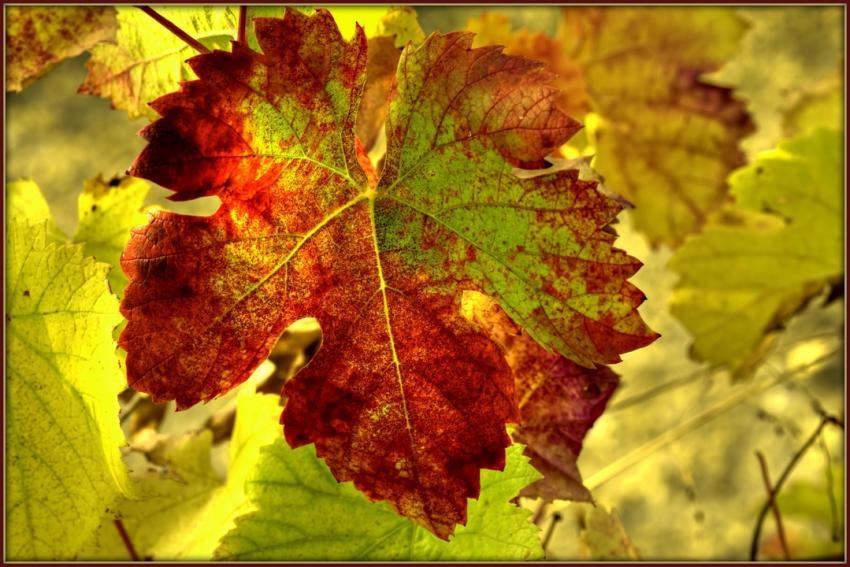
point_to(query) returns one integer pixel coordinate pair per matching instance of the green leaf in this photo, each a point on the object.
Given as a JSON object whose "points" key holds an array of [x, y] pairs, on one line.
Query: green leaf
{"points": [[183, 512], [304, 514], [62, 432], [784, 56], [108, 211], [24, 200], [761, 262], [37, 38]]}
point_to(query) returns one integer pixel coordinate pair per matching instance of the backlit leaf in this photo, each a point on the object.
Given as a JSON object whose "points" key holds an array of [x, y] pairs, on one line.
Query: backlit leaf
{"points": [[303, 514], [63, 464], [39, 37], [405, 397], [24, 200], [148, 60], [766, 257]]}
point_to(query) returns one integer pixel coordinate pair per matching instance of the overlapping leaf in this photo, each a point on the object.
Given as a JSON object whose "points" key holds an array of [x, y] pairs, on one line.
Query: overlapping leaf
{"points": [[494, 28], [108, 211], [559, 402], [63, 464], [303, 514], [39, 37], [406, 397], [147, 61], [766, 257]]}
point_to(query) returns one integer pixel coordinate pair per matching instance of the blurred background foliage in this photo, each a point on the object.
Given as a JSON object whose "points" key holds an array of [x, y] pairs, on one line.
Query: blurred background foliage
{"points": [[675, 452]]}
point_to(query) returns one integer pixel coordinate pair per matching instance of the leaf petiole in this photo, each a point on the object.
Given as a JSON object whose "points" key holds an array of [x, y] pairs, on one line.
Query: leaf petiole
{"points": [[175, 29], [243, 23]]}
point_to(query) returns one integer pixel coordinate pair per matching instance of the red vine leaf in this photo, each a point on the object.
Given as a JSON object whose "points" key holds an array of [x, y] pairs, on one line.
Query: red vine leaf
{"points": [[559, 401], [405, 396]]}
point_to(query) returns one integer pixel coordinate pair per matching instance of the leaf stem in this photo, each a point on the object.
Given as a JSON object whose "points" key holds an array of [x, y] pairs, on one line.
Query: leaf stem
{"points": [[825, 420], [125, 537], [173, 28], [830, 491], [556, 518], [771, 500], [243, 24]]}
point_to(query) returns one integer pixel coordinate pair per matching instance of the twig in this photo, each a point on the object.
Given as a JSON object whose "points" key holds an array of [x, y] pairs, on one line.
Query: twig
{"points": [[771, 500], [119, 525], [658, 390], [243, 24], [173, 28], [640, 453], [754, 545], [830, 491], [556, 517]]}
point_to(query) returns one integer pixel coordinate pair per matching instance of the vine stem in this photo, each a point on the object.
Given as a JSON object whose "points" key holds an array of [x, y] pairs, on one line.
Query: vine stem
{"points": [[125, 537], [174, 28], [771, 500], [243, 24], [825, 420]]}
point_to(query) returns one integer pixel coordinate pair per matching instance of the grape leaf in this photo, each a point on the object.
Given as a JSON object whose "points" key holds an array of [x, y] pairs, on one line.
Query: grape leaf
{"points": [[766, 257], [558, 399], [148, 60], [772, 74], [303, 514], [182, 511], [667, 140], [37, 38], [108, 211], [63, 463], [405, 397]]}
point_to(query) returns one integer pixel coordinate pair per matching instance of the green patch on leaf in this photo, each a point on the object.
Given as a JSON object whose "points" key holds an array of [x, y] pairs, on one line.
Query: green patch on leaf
{"points": [[304, 514], [766, 257]]}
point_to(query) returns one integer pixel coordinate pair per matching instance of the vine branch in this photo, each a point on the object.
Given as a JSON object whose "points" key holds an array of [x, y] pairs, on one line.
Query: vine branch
{"points": [[125, 537], [175, 29], [771, 500], [825, 420], [243, 24]]}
